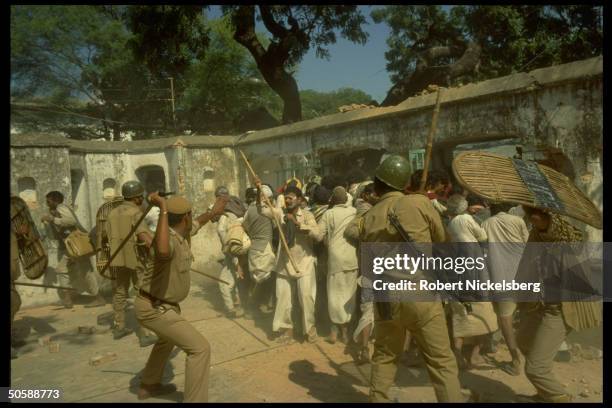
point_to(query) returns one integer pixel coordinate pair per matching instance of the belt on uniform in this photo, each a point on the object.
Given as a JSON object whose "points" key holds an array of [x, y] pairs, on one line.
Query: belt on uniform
{"points": [[155, 300]]}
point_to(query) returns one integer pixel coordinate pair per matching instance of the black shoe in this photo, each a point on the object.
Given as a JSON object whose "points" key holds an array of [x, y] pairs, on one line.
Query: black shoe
{"points": [[233, 314], [67, 302], [148, 391], [120, 333], [563, 356], [146, 341], [66, 298]]}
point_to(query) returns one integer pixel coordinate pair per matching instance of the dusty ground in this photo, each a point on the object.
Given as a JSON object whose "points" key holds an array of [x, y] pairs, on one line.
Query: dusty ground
{"points": [[246, 365]]}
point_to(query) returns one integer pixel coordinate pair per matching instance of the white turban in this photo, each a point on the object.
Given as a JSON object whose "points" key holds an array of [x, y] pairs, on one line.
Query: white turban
{"points": [[267, 191]]}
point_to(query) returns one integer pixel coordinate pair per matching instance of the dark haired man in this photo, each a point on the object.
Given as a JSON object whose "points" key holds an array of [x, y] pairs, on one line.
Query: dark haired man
{"points": [[300, 228], [165, 283], [120, 222], [435, 186], [478, 207], [507, 235], [62, 221]]}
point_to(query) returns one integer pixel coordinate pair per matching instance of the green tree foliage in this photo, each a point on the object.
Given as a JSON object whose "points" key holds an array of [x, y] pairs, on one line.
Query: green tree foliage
{"points": [[167, 38], [433, 45], [72, 65], [293, 30], [81, 70], [75, 62], [315, 104], [223, 85]]}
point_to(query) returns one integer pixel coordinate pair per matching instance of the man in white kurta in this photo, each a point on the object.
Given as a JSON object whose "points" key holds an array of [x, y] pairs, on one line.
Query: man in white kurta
{"points": [[342, 267], [480, 320], [507, 236], [62, 220], [229, 272], [287, 280]]}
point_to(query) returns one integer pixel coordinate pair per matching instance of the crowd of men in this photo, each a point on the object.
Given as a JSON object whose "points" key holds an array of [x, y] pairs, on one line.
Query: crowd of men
{"points": [[298, 259]]}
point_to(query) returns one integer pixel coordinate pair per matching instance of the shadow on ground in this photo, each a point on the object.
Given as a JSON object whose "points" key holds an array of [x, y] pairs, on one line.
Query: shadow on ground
{"points": [[323, 386], [495, 390]]}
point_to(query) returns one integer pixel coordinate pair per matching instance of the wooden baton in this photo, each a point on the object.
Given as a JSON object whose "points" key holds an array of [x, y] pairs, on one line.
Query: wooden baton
{"points": [[430, 137], [269, 204]]}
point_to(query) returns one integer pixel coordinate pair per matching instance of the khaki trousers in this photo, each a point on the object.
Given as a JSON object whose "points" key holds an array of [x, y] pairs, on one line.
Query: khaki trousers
{"points": [[540, 334], [76, 273], [172, 330], [229, 273], [121, 288], [427, 324]]}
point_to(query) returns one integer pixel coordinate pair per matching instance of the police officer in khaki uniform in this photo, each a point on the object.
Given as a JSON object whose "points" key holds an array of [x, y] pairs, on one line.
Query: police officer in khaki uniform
{"points": [[165, 284], [424, 320], [120, 222]]}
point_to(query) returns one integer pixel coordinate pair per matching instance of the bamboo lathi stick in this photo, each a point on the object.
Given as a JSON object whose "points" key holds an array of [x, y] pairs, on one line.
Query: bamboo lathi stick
{"points": [[430, 137], [278, 225]]}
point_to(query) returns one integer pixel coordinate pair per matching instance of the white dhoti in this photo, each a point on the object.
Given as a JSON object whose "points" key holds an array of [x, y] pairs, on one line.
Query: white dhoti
{"points": [[366, 306], [306, 293], [341, 290], [367, 318], [261, 263]]}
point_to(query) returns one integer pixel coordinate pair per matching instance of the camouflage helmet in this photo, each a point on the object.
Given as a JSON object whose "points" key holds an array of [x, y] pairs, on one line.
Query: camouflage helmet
{"points": [[394, 171], [131, 189]]}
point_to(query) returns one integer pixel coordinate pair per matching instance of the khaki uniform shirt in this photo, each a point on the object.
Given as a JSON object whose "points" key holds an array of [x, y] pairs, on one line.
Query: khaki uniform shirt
{"points": [[120, 222], [415, 212], [421, 221], [416, 215], [169, 278]]}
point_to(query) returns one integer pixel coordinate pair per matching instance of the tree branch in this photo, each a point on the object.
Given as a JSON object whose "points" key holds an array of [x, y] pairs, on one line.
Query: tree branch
{"points": [[272, 25], [244, 22], [426, 73]]}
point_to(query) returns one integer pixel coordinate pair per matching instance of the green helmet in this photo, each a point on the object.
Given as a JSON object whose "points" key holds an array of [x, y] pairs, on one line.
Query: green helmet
{"points": [[131, 189], [394, 171]]}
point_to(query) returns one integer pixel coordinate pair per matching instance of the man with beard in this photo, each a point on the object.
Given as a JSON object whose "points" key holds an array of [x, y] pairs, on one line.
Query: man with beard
{"points": [[300, 228]]}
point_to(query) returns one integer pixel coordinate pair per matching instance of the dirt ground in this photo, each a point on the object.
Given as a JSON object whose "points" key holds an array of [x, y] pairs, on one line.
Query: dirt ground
{"points": [[247, 364]]}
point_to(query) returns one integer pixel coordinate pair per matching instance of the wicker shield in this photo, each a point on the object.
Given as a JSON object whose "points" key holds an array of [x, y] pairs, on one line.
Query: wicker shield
{"points": [[103, 253], [32, 254], [503, 179]]}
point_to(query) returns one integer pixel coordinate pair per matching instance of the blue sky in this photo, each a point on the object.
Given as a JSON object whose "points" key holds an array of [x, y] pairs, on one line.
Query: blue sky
{"points": [[350, 65]]}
